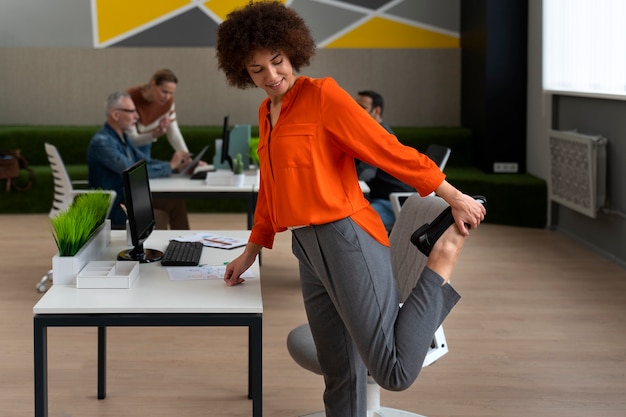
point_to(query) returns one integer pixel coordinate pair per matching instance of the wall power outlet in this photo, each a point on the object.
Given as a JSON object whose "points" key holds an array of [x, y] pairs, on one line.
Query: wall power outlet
{"points": [[505, 167]]}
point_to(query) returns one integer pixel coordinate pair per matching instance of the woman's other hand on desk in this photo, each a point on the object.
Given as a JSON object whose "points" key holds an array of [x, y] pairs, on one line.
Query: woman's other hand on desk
{"points": [[240, 264]]}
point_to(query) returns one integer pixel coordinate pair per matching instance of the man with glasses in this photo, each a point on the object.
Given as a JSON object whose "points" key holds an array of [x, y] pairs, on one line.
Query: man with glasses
{"points": [[111, 151]]}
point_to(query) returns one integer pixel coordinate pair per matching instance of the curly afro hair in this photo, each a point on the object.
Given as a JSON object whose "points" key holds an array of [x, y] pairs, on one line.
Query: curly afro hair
{"points": [[258, 26]]}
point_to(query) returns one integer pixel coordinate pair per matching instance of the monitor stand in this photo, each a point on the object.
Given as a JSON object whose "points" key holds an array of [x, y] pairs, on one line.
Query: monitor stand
{"points": [[138, 253]]}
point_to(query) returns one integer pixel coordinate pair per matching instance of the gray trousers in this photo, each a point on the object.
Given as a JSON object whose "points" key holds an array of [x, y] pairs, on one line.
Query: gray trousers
{"points": [[352, 304]]}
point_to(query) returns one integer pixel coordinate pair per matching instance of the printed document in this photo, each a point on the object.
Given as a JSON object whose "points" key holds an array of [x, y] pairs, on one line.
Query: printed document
{"points": [[214, 272], [213, 240]]}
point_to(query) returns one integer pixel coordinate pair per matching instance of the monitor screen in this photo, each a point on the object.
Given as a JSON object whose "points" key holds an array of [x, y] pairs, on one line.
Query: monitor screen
{"points": [[225, 144], [138, 200]]}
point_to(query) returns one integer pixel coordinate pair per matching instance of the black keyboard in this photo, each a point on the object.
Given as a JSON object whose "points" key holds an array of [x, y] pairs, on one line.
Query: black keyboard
{"points": [[182, 253]]}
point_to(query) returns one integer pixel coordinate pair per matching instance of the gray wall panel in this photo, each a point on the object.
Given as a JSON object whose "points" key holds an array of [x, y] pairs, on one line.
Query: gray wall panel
{"points": [[45, 23], [443, 13], [324, 20]]}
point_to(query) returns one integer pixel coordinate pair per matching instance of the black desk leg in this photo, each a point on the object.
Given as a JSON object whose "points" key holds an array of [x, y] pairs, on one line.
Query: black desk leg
{"points": [[102, 362], [251, 208], [41, 369], [250, 362], [255, 367]]}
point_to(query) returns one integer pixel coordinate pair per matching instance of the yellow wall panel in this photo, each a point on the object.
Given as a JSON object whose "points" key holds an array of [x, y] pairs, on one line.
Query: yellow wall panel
{"points": [[384, 33], [116, 17]]}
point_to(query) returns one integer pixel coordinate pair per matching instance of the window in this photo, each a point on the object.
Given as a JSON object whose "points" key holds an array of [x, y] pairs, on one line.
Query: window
{"points": [[584, 47]]}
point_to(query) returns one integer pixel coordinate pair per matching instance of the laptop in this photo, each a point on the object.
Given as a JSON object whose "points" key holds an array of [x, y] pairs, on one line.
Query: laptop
{"points": [[188, 171]]}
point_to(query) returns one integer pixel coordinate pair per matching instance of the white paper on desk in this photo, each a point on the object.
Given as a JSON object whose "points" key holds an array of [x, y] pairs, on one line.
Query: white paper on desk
{"points": [[215, 272], [213, 240]]}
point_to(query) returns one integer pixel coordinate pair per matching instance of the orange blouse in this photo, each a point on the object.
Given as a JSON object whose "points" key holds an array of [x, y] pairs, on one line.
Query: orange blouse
{"points": [[307, 167]]}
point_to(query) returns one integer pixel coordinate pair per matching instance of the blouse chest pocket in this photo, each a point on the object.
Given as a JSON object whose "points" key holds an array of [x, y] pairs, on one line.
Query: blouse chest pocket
{"points": [[291, 146]]}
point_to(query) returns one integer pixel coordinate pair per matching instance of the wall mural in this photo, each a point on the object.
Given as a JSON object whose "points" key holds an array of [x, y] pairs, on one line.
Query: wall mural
{"points": [[334, 24]]}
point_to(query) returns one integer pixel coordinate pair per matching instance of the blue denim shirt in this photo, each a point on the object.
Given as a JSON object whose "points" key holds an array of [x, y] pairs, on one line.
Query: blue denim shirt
{"points": [[108, 155]]}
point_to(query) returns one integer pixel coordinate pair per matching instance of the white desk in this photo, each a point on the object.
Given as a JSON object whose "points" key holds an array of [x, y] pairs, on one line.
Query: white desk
{"points": [[184, 187], [154, 300]]}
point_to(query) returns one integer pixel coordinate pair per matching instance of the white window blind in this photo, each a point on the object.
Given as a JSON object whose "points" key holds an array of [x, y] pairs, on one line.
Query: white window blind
{"points": [[584, 47]]}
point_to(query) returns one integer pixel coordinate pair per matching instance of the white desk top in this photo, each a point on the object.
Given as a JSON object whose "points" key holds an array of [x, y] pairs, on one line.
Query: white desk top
{"points": [[154, 292], [187, 185]]}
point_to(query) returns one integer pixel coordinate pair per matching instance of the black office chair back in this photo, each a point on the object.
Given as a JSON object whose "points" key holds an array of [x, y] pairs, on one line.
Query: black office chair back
{"points": [[439, 154]]}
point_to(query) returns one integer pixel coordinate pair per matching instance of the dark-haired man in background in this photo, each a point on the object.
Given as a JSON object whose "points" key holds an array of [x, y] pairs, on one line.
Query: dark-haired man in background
{"points": [[380, 183]]}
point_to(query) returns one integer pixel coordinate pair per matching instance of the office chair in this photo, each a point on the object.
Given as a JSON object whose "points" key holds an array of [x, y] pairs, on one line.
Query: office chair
{"points": [[407, 263], [440, 155], [64, 194]]}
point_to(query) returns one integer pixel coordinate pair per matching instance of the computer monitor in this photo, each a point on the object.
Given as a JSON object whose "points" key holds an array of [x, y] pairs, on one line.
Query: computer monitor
{"points": [[138, 200], [225, 156]]}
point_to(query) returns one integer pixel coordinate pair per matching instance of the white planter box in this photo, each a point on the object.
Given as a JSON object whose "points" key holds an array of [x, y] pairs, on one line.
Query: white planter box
{"points": [[108, 274], [65, 268]]}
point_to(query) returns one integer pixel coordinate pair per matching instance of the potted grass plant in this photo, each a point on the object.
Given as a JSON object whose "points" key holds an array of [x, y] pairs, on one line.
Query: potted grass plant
{"points": [[80, 233]]}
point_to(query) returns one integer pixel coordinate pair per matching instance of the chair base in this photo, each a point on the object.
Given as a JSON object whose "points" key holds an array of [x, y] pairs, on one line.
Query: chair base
{"points": [[382, 412], [42, 286]]}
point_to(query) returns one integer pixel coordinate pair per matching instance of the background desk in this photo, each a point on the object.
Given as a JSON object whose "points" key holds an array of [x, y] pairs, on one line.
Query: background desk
{"points": [[154, 300], [187, 188], [184, 187]]}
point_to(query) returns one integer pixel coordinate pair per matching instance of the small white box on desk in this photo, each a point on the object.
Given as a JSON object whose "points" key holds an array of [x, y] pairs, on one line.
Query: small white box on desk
{"points": [[221, 177], [108, 274]]}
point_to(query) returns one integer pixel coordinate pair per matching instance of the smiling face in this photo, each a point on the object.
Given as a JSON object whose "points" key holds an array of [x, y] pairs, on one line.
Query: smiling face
{"points": [[272, 72]]}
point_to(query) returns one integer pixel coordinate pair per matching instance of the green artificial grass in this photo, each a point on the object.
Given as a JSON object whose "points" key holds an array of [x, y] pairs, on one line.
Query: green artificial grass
{"points": [[512, 199], [75, 226]]}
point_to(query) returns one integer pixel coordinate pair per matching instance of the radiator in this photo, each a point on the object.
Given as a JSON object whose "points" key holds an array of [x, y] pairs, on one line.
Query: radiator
{"points": [[578, 171]]}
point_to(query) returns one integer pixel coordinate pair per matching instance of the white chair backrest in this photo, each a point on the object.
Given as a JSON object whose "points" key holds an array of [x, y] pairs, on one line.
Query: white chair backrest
{"points": [[397, 200], [63, 189]]}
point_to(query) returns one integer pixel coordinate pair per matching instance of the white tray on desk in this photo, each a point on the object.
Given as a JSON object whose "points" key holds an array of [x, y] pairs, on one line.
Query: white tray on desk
{"points": [[108, 274]]}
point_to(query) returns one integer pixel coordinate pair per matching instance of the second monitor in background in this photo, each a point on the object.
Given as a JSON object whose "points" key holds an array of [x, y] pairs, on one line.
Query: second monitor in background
{"points": [[224, 156], [234, 141]]}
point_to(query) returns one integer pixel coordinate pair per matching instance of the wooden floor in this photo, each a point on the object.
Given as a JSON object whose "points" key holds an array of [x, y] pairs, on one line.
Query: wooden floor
{"points": [[540, 331]]}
